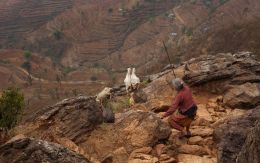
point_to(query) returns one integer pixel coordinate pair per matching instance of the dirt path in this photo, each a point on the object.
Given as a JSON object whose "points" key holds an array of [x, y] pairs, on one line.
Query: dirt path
{"points": [[61, 82]]}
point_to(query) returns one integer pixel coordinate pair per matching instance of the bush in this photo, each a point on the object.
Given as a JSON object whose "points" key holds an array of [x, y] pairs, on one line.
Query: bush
{"points": [[11, 106], [188, 31], [27, 65], [27, 55], [222, 1], [67, 70], [118, 104]]}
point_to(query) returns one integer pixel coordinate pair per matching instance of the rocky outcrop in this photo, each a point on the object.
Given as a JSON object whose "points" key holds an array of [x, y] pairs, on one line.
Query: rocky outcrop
{"points": [[235, 69], [243, 96], [71, 118], [231, 135], [251, 149], [133, 130], [30, 150], [236, 76]]}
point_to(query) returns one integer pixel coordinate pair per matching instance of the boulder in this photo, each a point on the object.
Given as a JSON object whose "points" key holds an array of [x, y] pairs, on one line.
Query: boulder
{"points": [[192, 149], [29, 150], [250, 151], [203, 116], [186, 158], [243, 96], [133, 130], [139, 96], [164, 158], [143, 158], [201, 131], [160, 149], [234, 69], [120, 154], [231, 135], [71, 118], [196, 140], [159, 93], [142, 155]]}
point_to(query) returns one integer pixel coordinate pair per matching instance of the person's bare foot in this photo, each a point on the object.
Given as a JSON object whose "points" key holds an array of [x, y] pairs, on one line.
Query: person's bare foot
{"points": [[188, 134]]}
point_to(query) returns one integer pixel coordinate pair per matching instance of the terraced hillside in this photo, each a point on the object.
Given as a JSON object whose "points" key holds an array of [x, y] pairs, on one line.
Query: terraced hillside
{"points": [[98, 32], [96, 40], [108, 36], [18, 18]]}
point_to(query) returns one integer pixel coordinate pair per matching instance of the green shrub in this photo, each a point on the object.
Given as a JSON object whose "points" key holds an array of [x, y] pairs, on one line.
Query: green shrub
{"points": [[11, 106], [119, 104], [27, 55], [67, 70], [188, 31], [222, 1]]}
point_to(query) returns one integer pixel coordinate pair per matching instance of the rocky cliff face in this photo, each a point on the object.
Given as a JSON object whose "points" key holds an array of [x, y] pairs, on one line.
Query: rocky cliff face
{"points": [[31, 150], [71, 118], [96, 49], [234, 136], [251, 148]]}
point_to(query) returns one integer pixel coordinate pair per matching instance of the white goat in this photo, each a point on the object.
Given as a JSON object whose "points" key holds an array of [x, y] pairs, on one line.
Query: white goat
{"points": [[135, 81], [105, 93], [127, 80]]}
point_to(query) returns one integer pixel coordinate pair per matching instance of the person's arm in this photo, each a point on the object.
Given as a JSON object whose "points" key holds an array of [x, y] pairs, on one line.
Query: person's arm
{"points": [[174, 106]]}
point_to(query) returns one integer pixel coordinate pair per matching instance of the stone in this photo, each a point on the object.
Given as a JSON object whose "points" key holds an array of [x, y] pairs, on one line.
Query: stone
{"points": [[144, 150], [203, 132], [251, 148], [17, 137], [231, 115], [139, 96], [73, 118], [216, 100], [119, 155], [164, 158], [186, 158], [243, 96], [231, 135], [192, 149], [141, 154], [203, 113], [33, 150], [135, 130], [142, 158], [222, 67], [162, 87], [196, 140], [160, 149]]}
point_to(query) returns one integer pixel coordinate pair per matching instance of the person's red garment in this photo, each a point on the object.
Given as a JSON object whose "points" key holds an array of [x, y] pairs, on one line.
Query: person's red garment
{"points": [[183, 101]]}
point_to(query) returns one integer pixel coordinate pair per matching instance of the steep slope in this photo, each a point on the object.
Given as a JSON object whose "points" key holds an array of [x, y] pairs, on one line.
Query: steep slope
{"points": [[140, 135], [108, 36], [19, 18], [92, 42]]}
